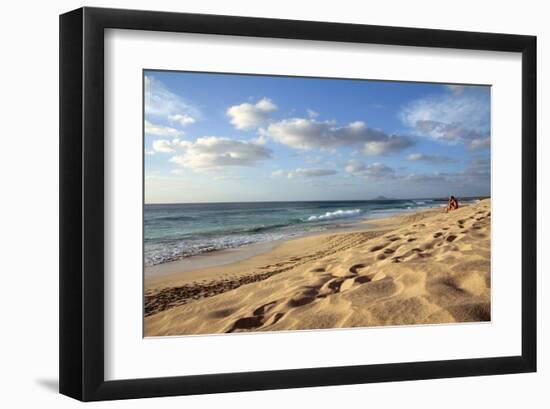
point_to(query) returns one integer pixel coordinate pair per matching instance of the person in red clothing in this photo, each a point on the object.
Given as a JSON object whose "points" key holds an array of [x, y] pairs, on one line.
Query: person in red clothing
{"points": [[452, 205]]}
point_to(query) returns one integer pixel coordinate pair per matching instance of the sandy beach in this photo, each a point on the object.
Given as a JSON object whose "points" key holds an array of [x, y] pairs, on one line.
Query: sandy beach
{"points": [[418, 268]]}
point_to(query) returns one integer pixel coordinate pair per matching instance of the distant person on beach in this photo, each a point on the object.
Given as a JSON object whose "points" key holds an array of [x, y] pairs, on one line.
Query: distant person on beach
{"points": [[452, 205]]}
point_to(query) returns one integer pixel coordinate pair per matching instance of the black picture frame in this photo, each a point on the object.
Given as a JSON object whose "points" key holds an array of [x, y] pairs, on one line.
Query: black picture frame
{"points": [[81, 321]]}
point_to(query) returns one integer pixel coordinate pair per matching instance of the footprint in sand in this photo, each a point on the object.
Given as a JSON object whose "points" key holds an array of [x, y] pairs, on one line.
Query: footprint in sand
{"points": [[247, 323], [353, 269], [438, 234], [451, 238], [311, 291], [362, 279], [264, 308], [411, 239], [379, 247], [416, 252], [299, 301], [334, 286], [276, 318], [370, 278]]}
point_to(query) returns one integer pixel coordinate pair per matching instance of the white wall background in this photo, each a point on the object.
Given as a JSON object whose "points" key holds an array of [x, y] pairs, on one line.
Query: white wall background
{"points": [[29, 202]]}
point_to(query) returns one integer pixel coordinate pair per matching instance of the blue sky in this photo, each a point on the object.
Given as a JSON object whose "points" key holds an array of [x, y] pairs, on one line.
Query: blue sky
{"points": [[226, 138]]}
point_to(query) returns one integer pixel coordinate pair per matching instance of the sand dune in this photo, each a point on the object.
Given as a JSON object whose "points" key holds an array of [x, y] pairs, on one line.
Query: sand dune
{"points": [[428, 267]]}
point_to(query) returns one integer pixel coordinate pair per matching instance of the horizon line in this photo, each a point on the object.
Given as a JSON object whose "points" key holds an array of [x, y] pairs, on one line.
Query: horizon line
{"points": [[310, 201]]}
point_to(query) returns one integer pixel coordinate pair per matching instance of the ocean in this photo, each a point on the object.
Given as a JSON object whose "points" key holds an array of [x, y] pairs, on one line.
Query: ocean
{"points": [[176, 231]]}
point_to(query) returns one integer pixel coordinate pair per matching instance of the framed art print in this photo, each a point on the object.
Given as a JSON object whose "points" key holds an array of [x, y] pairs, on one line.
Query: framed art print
{"points": [[261, 192]]}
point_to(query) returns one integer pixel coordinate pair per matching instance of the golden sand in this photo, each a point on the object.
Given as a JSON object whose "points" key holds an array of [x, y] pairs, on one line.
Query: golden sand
{"points": [[428, 267]]}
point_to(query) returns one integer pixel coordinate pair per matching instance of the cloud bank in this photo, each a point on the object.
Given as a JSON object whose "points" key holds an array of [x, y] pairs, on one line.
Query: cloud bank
{"points": [[213, 153], [307, 134]]}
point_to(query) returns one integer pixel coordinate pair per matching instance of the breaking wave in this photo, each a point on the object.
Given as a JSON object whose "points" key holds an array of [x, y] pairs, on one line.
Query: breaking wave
{"points": [[337, 214]]}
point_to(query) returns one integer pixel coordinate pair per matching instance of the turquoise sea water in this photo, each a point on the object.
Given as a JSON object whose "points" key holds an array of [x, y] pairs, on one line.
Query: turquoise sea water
{"points": [[175, 231]]}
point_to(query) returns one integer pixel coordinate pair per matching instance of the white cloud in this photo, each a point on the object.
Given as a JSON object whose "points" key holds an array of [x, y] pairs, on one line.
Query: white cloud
{"points": [[161, 130], [182, 119], [416, 157], [165, 146], [249, 116], [456, 117], [161, 102], [262, 137], [215, 153], [468, 110], [305, 173], [312, 114], [451, 133], [372, 172], [300, 133], [393, 144]]}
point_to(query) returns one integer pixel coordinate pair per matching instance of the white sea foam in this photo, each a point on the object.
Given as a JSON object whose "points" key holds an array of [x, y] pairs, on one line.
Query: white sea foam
{"points": [[334, 215]]}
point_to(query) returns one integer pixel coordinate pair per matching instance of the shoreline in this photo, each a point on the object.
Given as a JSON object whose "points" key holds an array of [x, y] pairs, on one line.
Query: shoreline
{"points": [[419, 267], [218, 258]]}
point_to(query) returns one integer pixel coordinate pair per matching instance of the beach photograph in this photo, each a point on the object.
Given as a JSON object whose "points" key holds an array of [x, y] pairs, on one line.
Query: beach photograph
{"points": [[281, 203]]}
